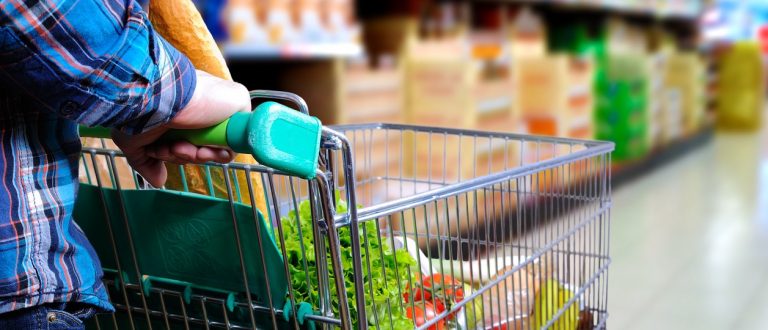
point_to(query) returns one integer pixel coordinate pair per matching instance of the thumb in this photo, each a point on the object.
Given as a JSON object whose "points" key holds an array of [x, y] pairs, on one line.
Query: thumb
{"points": [[135, 150], [150, 169]]}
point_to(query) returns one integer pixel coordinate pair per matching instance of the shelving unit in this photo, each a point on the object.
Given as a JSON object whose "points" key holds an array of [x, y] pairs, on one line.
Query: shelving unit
{"points": [[657, 9], [346, 84], [291, 51], [625, 173]]}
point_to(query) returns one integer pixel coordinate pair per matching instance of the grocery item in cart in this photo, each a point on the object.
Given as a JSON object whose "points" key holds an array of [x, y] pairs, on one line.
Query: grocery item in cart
{"points": [[510, 302], [553, 298], [388, 267], [180, 23]]}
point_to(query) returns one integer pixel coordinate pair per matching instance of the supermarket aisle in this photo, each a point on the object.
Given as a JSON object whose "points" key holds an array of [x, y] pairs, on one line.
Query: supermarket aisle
{"points": [[690, 241]]}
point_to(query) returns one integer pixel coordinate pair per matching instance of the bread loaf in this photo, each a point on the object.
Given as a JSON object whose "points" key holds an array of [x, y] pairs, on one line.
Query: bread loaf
{"points": [[179, 22]]}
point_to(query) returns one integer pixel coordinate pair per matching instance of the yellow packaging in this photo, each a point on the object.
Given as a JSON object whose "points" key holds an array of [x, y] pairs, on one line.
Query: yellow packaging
{"points": [[741, 91]]}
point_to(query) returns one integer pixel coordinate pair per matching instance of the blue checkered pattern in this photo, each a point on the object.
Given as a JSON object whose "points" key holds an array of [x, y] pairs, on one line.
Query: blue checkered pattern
{"points": [[64, 62]]}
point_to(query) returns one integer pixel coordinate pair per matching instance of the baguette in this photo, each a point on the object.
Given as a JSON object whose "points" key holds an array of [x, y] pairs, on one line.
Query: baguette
{"points": [[179, 22]]}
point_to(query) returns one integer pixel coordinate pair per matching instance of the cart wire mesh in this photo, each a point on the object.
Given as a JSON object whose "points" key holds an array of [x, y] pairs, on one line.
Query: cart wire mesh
{"points": [[516, 226]]}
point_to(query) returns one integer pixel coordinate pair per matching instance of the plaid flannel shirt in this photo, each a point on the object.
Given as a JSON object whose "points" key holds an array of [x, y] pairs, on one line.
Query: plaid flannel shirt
{"points": [[92, 62]]}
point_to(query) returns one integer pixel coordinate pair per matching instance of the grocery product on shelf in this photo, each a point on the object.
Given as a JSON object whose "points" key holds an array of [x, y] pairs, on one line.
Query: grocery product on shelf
{"points": [[371, 94], [310, 25], [621, 117], [622, 85], [677, 85], [528, 34], [554, 89], [685, 73], [242, 24], [658, 114], [555, 94], [445, 87], [740, 98], [301, 28]]}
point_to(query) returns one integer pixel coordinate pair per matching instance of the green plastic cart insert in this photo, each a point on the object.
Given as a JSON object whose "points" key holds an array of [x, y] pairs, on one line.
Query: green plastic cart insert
{"points": [[184, 239]]}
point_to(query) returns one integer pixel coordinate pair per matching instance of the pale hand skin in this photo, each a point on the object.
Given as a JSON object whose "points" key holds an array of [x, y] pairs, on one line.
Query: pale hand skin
{"points": [[213, 101]]}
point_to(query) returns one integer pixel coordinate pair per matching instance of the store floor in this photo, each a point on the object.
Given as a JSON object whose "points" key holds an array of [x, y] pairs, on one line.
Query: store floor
{"points": [[690, 241]]}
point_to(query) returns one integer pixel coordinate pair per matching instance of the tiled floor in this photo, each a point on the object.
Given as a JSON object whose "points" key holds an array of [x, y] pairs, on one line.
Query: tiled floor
{"points": [[690, 241]]}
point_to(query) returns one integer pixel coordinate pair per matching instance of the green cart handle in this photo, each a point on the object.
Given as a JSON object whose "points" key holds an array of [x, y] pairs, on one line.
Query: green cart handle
{"points": [[277, 136]]}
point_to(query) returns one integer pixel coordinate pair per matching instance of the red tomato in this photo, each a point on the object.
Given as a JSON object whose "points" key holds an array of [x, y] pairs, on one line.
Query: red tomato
{"points": [[418, 293], [439, 305], [422, 312], [443, 286], [444, 291], [441, 291]]}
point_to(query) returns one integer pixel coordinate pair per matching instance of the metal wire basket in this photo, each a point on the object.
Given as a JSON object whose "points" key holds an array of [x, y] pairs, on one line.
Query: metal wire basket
{"points": [[404, 226]]}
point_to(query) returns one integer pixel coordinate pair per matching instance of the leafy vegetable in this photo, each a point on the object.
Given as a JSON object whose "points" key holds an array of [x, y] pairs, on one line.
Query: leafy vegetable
{"points": [[386, 271]]}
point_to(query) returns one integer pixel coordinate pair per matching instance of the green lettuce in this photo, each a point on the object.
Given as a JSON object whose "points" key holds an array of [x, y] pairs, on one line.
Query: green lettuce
{"points": [[386, 270]]}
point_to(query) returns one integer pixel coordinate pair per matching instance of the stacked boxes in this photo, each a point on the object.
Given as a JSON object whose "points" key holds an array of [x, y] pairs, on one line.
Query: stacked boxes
{"points": [[622, 105], [444, 89], [371, 94], [657, 113], [623, 87], [555, 95], [685, 73]]}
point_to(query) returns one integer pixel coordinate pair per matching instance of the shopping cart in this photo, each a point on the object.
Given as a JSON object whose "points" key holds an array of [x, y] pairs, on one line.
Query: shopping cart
{"points": [[399, 226]]}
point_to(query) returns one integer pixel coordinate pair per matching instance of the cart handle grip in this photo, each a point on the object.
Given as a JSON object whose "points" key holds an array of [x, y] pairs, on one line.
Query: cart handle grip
{"points": [[277, 136]]}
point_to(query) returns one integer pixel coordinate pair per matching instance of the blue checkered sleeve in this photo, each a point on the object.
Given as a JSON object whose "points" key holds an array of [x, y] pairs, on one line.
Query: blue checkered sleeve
{"points": [[95, 62]]}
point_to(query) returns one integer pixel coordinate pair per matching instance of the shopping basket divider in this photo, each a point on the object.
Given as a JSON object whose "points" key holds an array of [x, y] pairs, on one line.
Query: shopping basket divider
{"points": [[147, 280], [180, 251]]}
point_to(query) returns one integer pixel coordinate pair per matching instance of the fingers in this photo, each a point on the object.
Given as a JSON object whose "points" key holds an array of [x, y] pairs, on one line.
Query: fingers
{"points": [[211, 154], [163, 152], [151, 169], [183, 152]]}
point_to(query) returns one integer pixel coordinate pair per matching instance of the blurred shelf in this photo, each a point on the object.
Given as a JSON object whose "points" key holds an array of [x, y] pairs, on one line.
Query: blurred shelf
{"points": [[491, 105], [624, 173], [615, 7], [291, 51], [531, 203]]}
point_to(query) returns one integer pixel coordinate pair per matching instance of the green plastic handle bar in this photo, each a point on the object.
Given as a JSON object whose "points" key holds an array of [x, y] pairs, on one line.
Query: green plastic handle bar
{"points": [[210, 136], [95, 132], [277, 136]]}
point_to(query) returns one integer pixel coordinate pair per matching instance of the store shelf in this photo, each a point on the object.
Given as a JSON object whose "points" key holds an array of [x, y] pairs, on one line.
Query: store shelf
{"points": [[620, 175], [624, 173], [618, 7], [492, 105], [291, 51]]}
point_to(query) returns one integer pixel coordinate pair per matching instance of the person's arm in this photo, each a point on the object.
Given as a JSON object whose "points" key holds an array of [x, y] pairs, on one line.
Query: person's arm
{"points": [[99, 62], [96, 62]]}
